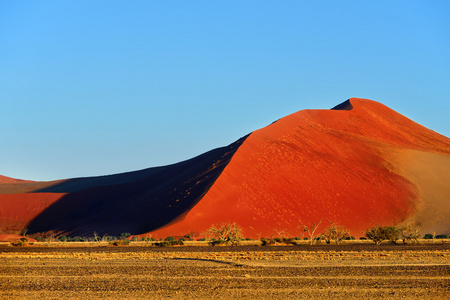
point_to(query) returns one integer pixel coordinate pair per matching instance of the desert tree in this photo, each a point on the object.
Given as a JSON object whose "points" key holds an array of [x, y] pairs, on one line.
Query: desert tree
{"points": [[311, 230], [410, 233], [96, 238], [378, 234], [224, 233], [335, 232]]}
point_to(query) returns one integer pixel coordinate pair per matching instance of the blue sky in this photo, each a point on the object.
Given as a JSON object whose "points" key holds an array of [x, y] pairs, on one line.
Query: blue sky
{"points": [[100, 87]]}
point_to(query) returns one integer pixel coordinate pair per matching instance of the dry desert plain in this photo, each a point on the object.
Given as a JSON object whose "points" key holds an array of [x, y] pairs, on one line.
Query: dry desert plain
{"points": [[351, 271]]}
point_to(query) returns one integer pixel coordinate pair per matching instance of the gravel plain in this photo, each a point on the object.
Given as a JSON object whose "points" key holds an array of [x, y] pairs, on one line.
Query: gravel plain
{"points": [[357, 271]]}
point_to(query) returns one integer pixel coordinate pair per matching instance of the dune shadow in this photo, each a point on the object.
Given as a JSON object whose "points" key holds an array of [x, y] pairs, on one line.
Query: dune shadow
{"points": [[346, 105], [134, 202]]}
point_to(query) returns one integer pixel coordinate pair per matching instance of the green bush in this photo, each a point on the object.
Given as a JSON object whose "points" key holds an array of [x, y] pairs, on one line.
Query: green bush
{"points": [[62, 238], [429, 236], [442, 236]]}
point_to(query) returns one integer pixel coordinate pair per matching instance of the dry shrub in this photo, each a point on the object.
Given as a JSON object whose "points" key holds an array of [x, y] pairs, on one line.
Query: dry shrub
{"points": [[311, 230], [225, 233], [335, 232], [410, 233], [378, 234]]}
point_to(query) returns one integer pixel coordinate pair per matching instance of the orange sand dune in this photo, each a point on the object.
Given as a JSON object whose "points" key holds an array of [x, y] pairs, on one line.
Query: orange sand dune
{"points": [[4, 179], [318, 164], [358, 164]]}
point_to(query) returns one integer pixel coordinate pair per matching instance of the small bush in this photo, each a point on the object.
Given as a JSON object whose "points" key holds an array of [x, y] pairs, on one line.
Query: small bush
{"points": [[284, 240], [22, 242], [124, 242], [62, 238], [429, 236], [124, 235], [76, 239], [169, 243], [442, 236], [267, 241]]}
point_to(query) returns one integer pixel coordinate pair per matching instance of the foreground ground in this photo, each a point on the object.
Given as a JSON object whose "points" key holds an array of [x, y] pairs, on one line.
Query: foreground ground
{"points": [[300, 272]]}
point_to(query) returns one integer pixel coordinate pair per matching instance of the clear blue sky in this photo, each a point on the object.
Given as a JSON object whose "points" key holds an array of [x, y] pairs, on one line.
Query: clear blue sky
{"points": [[101, 87]]}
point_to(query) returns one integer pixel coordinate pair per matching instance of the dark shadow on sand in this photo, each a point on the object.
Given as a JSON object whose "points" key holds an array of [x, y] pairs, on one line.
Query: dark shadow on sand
{"points": [[134, 202]]}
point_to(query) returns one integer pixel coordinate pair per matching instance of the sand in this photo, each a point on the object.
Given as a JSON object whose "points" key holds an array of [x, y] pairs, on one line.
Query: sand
{"points": [[430, 173]]}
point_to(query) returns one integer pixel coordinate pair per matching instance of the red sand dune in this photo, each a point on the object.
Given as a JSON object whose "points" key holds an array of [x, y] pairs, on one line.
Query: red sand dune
{"points": [[351, 165], [13, 238], [4, 179], [318, 164]]}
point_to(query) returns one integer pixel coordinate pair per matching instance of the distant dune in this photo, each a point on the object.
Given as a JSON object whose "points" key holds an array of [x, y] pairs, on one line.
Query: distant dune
{"points": [[359, 164]]}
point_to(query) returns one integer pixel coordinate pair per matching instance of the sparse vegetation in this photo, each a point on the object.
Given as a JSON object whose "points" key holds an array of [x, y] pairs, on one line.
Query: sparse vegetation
{"points": [[21, 242], [335, 232], [225, 233], [378, 234], [430, 236], [124, 242], [410, 233], [232, 233], [442, 236], [170, 241], [267, 241], [311, 230]]}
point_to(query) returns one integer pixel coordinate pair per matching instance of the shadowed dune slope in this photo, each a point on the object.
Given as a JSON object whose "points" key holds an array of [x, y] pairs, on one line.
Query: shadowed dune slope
{"points": [[359, 164], [134, 202], [335, 165]]}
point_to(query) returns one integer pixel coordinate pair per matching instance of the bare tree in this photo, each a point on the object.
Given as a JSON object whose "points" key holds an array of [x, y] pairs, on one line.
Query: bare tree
{"points": [[410, 233], [335, 232], [311, 230], [224, 233]]}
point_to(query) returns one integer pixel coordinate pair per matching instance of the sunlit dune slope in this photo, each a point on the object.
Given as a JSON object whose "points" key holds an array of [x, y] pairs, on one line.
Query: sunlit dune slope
{"points": [[313, 165], [359, 164], [4, 179]]}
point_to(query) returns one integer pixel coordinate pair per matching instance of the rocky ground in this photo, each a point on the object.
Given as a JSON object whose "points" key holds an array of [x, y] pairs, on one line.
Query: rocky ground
{"points": [[301, 272]]}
